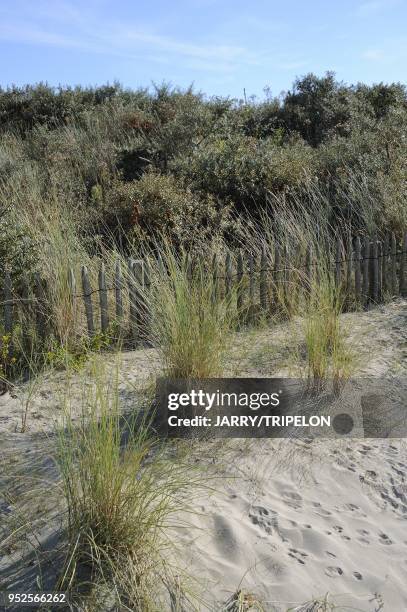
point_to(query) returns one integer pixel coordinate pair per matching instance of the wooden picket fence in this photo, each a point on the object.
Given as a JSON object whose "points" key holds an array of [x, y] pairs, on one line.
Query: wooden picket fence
{"points": [[368, 270]]}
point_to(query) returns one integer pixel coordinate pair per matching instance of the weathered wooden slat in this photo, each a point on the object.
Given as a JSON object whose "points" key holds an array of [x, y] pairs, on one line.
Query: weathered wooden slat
{"points": [[104, 315], [160, 264], [215, 279], [239, 278], [138, 269], [252, 278], [27, 312], [309, 268], [228, 275], [286, 277], [132, 299], [403, 267], [8, 304], [189, 267], [394, 283], [277, 276], [380, 269], [366, 270], [349, 265], [87, 300], [263, 280], [118, 289], [375, 271], [338, 262], [358, 274], [40, 310], [146, 300], [385, 272]]}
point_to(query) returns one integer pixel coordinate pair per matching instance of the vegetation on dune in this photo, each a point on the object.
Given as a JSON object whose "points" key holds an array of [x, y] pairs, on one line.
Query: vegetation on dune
{"points": [[92, 173], [121, 161], [122, 490]]}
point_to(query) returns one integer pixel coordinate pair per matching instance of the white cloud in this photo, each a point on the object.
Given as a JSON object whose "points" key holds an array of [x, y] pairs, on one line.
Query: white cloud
{"points": [[372, 7], [69, 29]]}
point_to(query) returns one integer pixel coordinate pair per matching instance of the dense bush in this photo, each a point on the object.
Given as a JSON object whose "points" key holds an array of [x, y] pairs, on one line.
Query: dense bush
{"points": [[121, 162], [161, 202]]}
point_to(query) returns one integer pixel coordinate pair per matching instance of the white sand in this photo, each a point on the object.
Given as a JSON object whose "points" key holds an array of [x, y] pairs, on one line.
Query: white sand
{"points": [[333, 523], [296, 521]]}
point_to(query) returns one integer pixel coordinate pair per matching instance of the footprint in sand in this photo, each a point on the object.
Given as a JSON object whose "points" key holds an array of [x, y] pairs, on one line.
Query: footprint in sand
{"points": [[322, 512], [330, 554], [293, 499], [224, 538], [357, 576], [333, 572], [298, 555], [384, 539], [371, 474], [264, 518], [362, 532]]}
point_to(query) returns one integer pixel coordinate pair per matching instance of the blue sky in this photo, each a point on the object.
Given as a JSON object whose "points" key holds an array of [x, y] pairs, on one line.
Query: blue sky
{"points": [[222, 46]]}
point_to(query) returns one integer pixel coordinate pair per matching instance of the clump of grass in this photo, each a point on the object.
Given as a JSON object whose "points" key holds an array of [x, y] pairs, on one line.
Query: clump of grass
{"points": [[243, 601], [299, 243], [325, 603], [191, 320], [328, 352], [121, 490]]}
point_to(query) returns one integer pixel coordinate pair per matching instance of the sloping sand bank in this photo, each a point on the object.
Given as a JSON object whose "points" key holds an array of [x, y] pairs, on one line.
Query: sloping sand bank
{"points": [[290, 521]]}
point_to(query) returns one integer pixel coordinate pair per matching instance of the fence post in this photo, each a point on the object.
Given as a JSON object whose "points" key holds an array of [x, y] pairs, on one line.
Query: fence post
{"points": [[215, 279], [147, 311], [228, 275], [140, 319], [189, 267], [380, 269], [27, 313], [375, 270], [366, 269], [161, 267], [118, 291], [349, 264], [358, 283], [104, 319], [308, 268], [263, 280], [239, 276], [385, 254], [40, 306], [287, 277], [277, 276], [338, 263], [403, 267], [132, 299], [87, 299], [8, 304], [252, 283], [394, 288]]}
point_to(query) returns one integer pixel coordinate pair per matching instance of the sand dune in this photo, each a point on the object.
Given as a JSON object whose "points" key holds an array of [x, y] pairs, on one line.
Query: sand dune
{"points": [[290, 520]]}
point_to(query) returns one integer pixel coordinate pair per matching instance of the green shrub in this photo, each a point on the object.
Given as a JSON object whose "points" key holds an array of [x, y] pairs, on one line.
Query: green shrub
{"points": [[162, 203]]}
